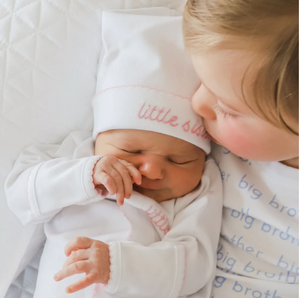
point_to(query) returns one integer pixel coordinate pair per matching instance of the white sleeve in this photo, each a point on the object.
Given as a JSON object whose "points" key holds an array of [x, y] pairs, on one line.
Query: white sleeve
{"points": [[183, 262], [46, 178]]}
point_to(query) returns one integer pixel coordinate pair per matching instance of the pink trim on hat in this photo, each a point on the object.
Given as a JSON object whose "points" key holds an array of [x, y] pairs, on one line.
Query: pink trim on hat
{"points": [[138, 86]]}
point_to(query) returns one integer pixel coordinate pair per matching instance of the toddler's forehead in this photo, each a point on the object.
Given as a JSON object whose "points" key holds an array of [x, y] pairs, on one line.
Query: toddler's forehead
{"points": [[228, 75]]}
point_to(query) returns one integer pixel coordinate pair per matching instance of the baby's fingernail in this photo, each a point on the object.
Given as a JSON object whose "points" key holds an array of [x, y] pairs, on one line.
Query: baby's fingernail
{"points": [[55, 277]]}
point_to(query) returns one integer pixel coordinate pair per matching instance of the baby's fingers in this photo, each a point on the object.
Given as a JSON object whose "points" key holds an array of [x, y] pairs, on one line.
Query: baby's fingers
{"points": [[108, 182], [83, 283], [123, 182], [78, 255], [133, 171], [78, 243], [75, 268]]}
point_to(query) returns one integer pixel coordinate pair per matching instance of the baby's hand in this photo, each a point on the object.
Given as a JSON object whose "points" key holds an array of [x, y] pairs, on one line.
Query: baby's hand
{"points": [[116, 176], [89, 256]]}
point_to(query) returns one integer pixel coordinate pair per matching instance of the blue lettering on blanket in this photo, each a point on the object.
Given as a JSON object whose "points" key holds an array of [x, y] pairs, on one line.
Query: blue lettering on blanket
{"points": [[292, 212], [224, 175], [238, 241], [226, 151], [239, 288], [254, 193], [242, 290], [245, 218], [223, 258], [285, 236], [248, 221], [288, 277]]}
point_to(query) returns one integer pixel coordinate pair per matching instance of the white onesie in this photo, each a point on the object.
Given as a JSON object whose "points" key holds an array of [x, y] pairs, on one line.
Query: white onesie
{"points": [[156, 250]]}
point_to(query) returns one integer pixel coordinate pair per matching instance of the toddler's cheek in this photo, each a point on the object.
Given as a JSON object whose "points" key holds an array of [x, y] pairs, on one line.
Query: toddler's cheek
{"points": [[240, 143]]}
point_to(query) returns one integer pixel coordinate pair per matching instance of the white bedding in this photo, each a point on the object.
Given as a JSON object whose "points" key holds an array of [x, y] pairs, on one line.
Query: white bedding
{"points": [[49, 52]]}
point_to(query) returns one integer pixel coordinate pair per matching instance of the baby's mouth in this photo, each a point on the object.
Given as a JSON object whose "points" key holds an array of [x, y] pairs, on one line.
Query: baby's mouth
{"points": [[140, 187], [149, 184]]}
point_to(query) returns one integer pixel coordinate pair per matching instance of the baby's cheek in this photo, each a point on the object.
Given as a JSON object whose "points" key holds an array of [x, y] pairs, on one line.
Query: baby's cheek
{"points": [[184, 181]]}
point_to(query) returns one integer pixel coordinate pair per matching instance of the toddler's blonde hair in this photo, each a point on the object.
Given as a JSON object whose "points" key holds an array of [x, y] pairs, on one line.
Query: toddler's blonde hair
{"points": [[266, 28]]}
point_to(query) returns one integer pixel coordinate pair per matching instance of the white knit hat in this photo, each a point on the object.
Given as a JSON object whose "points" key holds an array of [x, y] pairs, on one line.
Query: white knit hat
{"points": [[146, 79]]}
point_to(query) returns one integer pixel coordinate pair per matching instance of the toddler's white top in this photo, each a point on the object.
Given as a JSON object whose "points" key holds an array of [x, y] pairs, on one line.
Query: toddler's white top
{"points": [[258, 251], [157, 250]]}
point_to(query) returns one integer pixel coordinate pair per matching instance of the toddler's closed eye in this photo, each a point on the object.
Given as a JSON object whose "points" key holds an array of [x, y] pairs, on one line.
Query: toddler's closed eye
{"points": [[219, 110]]}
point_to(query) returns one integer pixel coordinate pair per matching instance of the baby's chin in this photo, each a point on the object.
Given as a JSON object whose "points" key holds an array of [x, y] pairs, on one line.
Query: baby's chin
{"points": [[158, 195]]}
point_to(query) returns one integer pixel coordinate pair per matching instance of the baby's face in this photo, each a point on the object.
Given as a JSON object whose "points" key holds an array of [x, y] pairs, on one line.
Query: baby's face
{"points": [[170, 167]]}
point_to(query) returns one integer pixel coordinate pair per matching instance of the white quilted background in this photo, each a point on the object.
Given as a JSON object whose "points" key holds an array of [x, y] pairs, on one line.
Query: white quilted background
{"points": [[49, 50]]}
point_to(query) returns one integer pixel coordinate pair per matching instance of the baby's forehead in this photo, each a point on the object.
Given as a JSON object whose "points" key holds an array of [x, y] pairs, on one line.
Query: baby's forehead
{"points": [[143, 140]]}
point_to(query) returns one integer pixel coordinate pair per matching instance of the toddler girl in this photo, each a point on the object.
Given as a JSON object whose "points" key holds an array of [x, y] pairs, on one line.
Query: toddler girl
{"points": [[246, 55]]}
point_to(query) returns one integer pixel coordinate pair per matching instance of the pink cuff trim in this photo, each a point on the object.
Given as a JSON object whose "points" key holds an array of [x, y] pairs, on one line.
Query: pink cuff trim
{"points": [[111, 260], [93, 171], [88, 181], [115, 270], [100, 189]]}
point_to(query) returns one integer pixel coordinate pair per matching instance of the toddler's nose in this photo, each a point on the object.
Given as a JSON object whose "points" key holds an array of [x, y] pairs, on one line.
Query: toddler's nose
{"points": [[203, 104]]}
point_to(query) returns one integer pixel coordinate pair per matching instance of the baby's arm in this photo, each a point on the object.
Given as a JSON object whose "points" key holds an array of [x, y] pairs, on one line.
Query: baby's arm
{"points": [[46, 178], [181, 264], [184, 261]]}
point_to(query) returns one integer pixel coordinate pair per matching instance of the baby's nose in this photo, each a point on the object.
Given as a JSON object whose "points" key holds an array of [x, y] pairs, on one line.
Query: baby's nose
{"points": [[152, 169]]}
